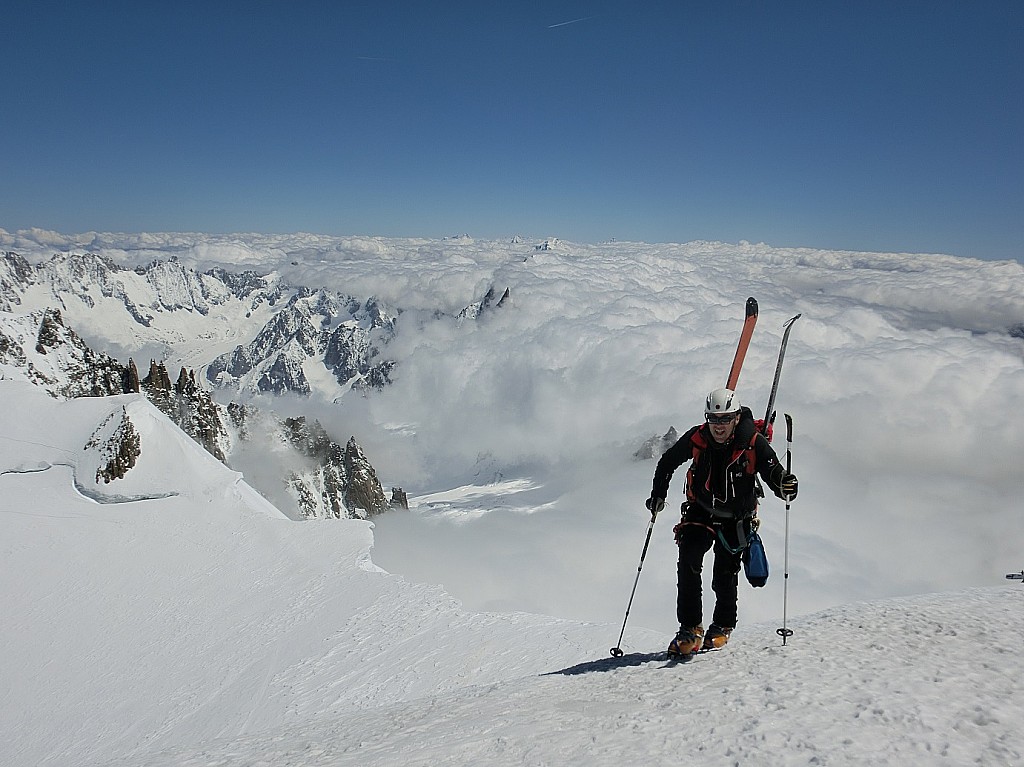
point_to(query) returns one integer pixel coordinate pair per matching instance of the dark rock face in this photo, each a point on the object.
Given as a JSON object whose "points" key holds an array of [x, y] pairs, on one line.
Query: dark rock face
{"points": [[190, 407], [341, 483], [364, 493], [15, 274], [118, 445]]}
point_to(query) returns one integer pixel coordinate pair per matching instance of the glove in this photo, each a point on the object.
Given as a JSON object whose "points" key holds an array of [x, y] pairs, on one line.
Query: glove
{"points": [[788, 487], [654, 504]]}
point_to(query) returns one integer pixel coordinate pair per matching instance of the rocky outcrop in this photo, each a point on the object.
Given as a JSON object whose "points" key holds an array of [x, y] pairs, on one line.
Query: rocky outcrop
{"points": [[364, 495], [117, 446], [656, 446], [189, 406], [340, 483]]}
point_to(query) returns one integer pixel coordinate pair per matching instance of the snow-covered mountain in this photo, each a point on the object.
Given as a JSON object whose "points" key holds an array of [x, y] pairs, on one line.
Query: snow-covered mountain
{"points": [[340, 332], [187, 315], [311, 340], [316, 477], [56, 358]]}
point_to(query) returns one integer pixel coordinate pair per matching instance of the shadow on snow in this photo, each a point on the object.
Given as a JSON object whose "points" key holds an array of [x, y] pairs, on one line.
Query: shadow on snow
{"points": [[609, 664]]}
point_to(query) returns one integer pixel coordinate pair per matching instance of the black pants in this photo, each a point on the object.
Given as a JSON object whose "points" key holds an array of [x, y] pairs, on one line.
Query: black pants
{"points": [[694, 542]]}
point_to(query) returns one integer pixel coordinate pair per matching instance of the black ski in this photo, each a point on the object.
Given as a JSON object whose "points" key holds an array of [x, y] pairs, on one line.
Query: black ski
{"points": [[769, 416]]}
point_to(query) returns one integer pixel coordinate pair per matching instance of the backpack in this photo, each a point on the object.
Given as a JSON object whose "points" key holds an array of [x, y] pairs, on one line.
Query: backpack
{"points": [[700, 445], [755, 561]]}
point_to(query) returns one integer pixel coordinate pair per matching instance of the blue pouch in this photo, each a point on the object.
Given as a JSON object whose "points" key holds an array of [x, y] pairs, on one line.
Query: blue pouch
{"points": [[755, 562]]}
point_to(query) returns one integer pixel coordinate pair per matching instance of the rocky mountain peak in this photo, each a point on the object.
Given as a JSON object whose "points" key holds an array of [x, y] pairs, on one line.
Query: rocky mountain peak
{"points": [[341, 483], [491, 300], [364, 490], [656, 446]]}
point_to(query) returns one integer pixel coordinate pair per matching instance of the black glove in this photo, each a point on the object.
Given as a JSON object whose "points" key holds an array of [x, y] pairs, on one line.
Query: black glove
{"points": [[788, 487], [654, 504]]}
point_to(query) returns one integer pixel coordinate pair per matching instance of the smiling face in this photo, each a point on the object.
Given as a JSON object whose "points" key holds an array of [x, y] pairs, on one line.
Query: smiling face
{"points": [[723, 426]]}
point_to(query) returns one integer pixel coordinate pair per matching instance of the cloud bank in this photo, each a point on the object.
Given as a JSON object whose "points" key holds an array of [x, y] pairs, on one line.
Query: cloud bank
{"points": [[902, 377]]}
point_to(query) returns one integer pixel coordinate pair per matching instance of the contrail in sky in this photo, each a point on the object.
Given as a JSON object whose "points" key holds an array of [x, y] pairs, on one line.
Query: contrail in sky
{"points": [[564, 23]]}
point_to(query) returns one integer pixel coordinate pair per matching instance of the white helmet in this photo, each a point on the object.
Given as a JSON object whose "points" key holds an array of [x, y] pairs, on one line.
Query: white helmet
{"points": [[722, 401]]}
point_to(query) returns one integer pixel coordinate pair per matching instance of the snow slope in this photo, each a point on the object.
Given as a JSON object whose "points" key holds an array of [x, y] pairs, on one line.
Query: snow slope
{"points": [[922, 681], [194, 626], [195, 610]]}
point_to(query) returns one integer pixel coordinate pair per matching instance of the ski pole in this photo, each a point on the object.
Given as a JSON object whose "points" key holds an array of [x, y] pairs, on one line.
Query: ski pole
{"points": [[784, 632], [617, 650]]}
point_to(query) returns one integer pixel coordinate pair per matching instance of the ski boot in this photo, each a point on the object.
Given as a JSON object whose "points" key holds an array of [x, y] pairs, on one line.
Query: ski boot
{"points": [[716, 637], [687, 642]]}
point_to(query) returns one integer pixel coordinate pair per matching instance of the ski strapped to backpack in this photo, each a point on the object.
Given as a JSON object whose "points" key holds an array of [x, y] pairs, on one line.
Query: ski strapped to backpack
{"points": [[765, 426], [699, 442], [741, 348], [761, 426]]}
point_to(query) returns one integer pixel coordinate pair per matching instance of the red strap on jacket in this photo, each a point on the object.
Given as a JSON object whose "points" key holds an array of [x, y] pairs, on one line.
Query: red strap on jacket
{"points": [[699, 444]]}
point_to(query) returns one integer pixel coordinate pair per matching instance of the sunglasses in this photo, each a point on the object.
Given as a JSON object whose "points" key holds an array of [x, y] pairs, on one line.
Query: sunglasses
{"points": [[722, 418]]}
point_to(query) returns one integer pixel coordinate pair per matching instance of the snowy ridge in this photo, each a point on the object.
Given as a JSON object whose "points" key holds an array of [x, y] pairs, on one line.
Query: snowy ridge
{"points": [[40, 433], [185, 607]]}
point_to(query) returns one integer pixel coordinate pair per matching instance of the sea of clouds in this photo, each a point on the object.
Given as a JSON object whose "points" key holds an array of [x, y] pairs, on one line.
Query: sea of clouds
{"points": [[904, 377]]}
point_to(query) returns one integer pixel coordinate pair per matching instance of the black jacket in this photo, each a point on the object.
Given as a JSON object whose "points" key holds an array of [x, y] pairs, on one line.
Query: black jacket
{"points": [[721, 482]]}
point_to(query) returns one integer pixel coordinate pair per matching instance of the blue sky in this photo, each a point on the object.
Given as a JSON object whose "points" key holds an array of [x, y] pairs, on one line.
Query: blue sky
{"points": [[842, 125]]}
